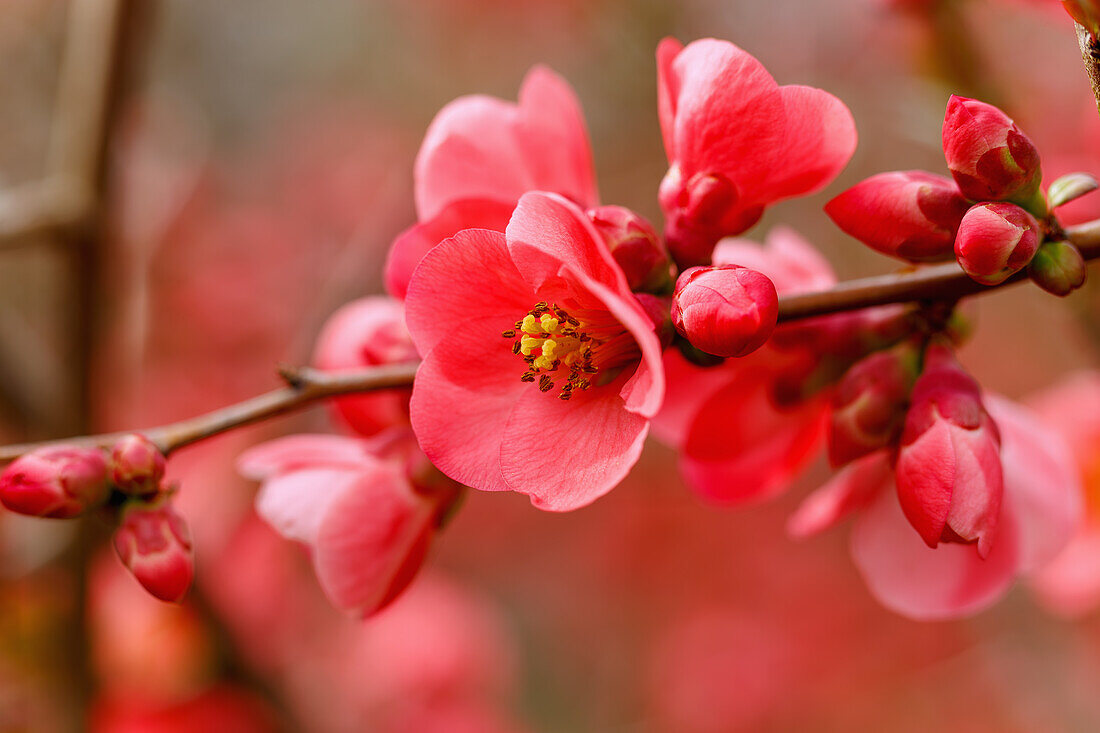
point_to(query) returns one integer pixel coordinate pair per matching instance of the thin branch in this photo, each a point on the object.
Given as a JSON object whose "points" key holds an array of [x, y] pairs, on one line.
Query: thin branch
{"points": [[306, 385]]}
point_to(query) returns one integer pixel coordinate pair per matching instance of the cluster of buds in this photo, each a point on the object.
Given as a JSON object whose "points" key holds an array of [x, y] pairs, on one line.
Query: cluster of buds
{"points": [[991, 215], [125, 485], [916, 403]]}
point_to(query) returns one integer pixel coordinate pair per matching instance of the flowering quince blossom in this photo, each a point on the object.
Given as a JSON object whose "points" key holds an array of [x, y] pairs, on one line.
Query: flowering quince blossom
{"points": [[367, 332], [367, 509], [533, 342], [737, 142], [1041, 508], [1070, 584], [481, 154]]}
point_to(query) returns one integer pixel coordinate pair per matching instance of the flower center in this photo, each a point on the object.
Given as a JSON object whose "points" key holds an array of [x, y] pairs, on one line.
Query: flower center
{"points": [[583, 349]]}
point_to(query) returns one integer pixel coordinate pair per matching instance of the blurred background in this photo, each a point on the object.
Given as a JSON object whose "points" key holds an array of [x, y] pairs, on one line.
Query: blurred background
{"points": [[188, 188]]}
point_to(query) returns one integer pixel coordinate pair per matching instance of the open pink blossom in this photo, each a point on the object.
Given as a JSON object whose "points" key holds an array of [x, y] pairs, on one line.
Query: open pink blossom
{"points": [[1041, 508], [355, 505], [736, 442], [367, 332], [481, 154], [540, 370], [1070, 585], [737, 142]]}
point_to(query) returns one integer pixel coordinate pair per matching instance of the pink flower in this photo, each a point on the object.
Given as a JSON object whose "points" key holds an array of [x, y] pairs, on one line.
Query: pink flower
{"points": [[989, 156], [540, 369], [367, 332], [154, 543], [737, 442], [356, 504], [725, 310], [911, 215], [137, 465], [995, 241], [738, 142], [1041, 508], [949, 464], [57, 481], [481, 154], [1070, 584]]}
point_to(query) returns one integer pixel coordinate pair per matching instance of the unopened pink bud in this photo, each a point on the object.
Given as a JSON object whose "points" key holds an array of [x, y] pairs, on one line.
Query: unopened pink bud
{"points": [[58, 481], [995, 241], [869, 404], [949, 475], [699, 212], [137, 465], [659, 311], [1058, 268], [911, 215], [636, 247], [725, 310], [154, 543], [989, 157]]}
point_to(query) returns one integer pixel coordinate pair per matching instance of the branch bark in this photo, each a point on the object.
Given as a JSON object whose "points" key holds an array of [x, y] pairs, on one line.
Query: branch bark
{"points": [[1090, 54]]}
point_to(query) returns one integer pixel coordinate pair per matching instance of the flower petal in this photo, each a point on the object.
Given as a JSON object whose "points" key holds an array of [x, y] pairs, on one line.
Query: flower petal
{"points": [[296, 452], [295, 503], [849, 490]]}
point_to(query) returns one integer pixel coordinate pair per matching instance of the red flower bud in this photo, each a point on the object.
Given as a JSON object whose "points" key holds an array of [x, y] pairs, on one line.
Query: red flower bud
{"points": [[990, 158], [58, 481], [137, 465], [869, 404], [725, 310], [995, 241], [911, 215], [949, 473], [699, 212], [636, 247], [154, 543]]}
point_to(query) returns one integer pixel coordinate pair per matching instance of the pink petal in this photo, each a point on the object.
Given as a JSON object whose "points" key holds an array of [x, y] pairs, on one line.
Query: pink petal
{"points": [[547, 233], [466, 285], [668, 91], [742, 448], [460, 407], [372, 539], [687, 389], [479, 147], [849, 490], [923, 583], [416, 241], [1044, 498], [1073, 409], [295, 452], [295, 503], [565, 455], [1070, 585]]}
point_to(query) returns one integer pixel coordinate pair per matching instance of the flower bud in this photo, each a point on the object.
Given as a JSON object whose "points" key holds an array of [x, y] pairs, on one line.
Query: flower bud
{"points": [[725, 310], [911, 215], [869, 404], [989, 157], [949, 475], [699, 212], [995, 241], [58, 481], [658, 310], [1058, 268], [137, 465], [154, 543], [636, 248]]}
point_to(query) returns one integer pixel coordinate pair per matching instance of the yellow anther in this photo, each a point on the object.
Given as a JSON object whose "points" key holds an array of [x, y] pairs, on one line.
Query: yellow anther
{"points": [[548, 347], [527, 344], [549, 323], [543, 362], [531, 324]]}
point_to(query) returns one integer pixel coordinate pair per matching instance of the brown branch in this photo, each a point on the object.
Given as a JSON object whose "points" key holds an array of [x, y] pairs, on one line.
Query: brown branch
{"points": [[1090, 54], [306, 385]]}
